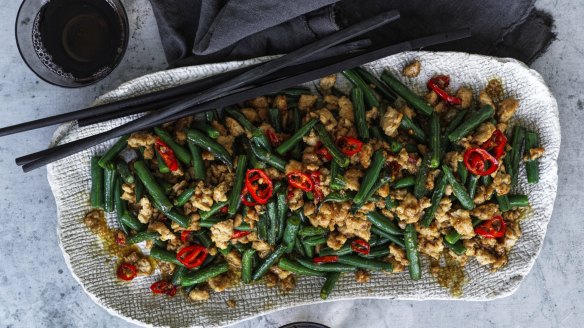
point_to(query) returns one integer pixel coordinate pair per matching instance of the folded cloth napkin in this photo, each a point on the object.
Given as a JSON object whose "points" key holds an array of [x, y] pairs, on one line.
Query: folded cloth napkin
{"points": [[202, 31]]}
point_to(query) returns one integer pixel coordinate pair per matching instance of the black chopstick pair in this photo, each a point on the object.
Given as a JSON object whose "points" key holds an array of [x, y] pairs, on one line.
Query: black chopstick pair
{"points": [[162, 100], [42, 158], [159, 99], [227, 98]]}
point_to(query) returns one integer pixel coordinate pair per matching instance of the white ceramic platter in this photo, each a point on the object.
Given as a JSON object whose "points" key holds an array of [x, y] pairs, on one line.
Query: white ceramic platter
{"points": [[70, 182]]}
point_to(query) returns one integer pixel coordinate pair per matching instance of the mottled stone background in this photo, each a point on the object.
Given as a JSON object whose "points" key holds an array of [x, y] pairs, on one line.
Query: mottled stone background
{"points": [[36, 289]]}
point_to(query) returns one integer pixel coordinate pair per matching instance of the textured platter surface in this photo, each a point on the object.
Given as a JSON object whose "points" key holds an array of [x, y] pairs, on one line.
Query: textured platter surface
{"points": [[70, 183]]}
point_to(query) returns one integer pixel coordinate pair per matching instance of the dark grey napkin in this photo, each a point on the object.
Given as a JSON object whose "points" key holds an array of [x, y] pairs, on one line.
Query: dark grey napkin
{"points": [[201, 31]]}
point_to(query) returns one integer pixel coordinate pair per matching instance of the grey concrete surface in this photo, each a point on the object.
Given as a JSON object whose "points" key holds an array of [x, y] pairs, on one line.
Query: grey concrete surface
{"points": [[36, 289]]}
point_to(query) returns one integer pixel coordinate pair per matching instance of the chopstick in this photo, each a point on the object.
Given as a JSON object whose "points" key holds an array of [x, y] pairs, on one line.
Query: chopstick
{"points": [[158, 99], [340, 50], [220, 89], [59, 152]]}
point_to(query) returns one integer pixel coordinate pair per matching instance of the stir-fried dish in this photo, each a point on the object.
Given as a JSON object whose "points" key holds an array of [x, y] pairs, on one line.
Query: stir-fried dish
{"points": [[302, 183]]}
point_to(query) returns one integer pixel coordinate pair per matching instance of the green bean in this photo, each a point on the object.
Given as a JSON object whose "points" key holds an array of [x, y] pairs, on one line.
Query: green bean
{"points": [[329, 284], [298, 247], [383, 223], [411, 241], [401, 90], [162, 167], [157, 193], [263, 227], [200, 276], [458, 248], [271, 212], [377, 252], [296, 152], [208, 129], [209, 222], [296, 137], [120, 206], [515, 155], [197, 161], [203, 237], [359, 112], [503, 202], [395, 146], [159, 243], [308, 231], [356, 80], [518, 201], [412, 129], [270, 158], [436, 198], [472, 185], [314, 240], [381, 88], [131, 222], [390, 203], [396, 239], [138, 189], [244, 227], [268, 262], [178, 275], [378, 184], [235, 196], [531, 166], [344, 250], [181, 153], [462, 172], [435, 141], [142, 236], [290, 232], [109, 181], [296, 268], [458, 190], [282, 209], [164, 255], [182, 220], [371, 176], [308, 250], [258, 136], [326, 140], [487, 180], [337, 180], [226, 250], [247, 265], [96, 183], [421, 177], [215, 208], [326, 267], [211, 115], [405, 182], [203, 141], [458, 118], [471, 123], [124, 171], [184, 197], [363, 263], [275, 119], [114, 150]]}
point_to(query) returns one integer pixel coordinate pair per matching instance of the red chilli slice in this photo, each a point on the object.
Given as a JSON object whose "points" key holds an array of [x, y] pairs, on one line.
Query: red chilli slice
{"points": [[127, 271], [493, 228]]}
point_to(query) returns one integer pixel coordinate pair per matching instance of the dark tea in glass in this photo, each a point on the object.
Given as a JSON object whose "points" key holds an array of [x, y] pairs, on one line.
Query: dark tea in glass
{"points": [[77, 42]]}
